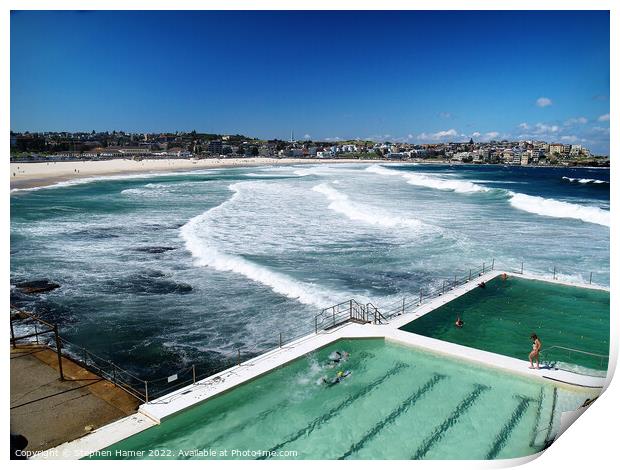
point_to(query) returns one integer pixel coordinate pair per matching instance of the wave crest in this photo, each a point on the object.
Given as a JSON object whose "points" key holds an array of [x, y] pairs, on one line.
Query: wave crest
{"points": [[419, 179], [360, 213], [560, 209], [196, 235], [584, 180]]}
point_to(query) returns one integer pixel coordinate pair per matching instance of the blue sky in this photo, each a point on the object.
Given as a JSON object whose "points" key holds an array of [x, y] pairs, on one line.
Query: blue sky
{"points": [[411, 76]]}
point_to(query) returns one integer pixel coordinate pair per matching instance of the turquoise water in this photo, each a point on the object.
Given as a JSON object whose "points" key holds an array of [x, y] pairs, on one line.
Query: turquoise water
{"points": [[501, 317], [162, 271], [397, 403]]}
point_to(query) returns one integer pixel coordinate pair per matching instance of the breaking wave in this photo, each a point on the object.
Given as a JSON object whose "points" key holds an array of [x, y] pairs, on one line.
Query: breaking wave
{"points": [[584, 180], [563, 210], [196, 235], [418, 179], [361, 213], [533, 204]]}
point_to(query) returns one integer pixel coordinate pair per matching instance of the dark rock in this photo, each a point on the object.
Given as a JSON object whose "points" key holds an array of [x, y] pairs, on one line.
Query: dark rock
{"points": [[155, 249], [37, 286]]}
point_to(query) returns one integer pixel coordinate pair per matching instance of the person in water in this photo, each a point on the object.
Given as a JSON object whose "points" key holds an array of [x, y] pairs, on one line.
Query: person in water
{"points": [[536, 345], [458, 323], [504, 276], [340, 376], [337, 356], [482, 285]]}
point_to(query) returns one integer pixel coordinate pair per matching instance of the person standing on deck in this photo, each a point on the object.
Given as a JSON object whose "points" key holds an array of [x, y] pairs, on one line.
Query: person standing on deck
{"points": [[536, 345]]}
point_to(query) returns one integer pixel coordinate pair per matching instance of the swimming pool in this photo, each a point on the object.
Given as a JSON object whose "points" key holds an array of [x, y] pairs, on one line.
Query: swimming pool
{"points": [[501, 317], [397, 403]]}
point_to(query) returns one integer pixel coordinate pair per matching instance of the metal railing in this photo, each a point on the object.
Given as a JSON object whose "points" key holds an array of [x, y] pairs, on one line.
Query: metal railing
{"points": [[566, 354], [441, 287], [329, 318], [49, 337]]}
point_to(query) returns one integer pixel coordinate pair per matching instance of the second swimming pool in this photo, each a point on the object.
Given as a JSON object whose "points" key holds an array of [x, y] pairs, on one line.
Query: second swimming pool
{"points": [[501, 317]]}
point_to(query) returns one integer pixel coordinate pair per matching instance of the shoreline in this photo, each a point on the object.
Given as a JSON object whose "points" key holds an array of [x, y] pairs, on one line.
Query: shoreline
{"points": [[41, 174], [30, 175]]}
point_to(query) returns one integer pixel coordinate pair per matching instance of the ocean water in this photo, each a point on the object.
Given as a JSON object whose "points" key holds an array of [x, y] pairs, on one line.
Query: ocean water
{"points": [[162, 271]]}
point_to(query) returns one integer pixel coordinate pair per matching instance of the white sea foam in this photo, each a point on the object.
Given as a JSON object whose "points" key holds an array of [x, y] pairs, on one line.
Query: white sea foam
{"points": [[420, 179], [560, 209], [584, 180], [533, 204], [341, 203], [267, 175], [92, 179], [197, 237]]}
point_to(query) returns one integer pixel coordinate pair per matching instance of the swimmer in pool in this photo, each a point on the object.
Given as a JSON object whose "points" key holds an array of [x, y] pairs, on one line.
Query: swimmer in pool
{"points": [[482, 285], [458, 323], [340, 376], [337, 356]]}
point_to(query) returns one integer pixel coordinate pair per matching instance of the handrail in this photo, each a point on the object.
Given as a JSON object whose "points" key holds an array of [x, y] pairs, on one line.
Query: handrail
{"points": [[326, 319], [378, 317], [575, 350], [546, 353]]}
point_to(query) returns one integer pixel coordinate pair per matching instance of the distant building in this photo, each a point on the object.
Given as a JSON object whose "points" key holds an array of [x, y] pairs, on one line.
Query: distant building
{"points": [[566, 150], [555, 148], [295, 153], [134, 151], [215, 147]]}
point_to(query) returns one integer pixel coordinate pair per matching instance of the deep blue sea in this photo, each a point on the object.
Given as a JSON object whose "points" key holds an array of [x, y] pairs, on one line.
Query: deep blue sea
{"points": [[161, 271]]}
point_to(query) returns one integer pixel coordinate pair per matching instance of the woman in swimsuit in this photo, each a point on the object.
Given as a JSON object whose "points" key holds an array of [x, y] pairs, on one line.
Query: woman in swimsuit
{"points": [[536, 345]]}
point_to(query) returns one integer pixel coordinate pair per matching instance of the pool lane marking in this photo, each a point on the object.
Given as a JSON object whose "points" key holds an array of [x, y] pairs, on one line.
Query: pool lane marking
{"points": [[502, 438], [535, 430], [552, 415], [450, 421], [393, 416], [363, 356], [324, 418]]}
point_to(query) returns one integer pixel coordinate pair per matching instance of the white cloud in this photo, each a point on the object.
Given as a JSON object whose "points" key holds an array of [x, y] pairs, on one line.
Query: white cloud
{"points": [[524, 125], [604, 117], [541, 128], [332, 139], [476, 134], [600, 130], [445, 115], [573, 121], [543, 102], [307, 136], [441, 135], [491, 135]]}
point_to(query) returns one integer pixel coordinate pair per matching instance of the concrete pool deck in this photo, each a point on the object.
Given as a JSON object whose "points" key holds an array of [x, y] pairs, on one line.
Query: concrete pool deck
{"points": [[70, 408], [158, 410]]}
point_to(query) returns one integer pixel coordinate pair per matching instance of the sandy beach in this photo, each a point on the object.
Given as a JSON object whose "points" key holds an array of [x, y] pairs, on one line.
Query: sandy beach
{"points": [[29, 175]]}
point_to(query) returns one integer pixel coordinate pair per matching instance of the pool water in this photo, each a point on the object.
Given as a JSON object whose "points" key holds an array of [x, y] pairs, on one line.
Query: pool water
{"points": [[501, 317], [397, 403]]}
